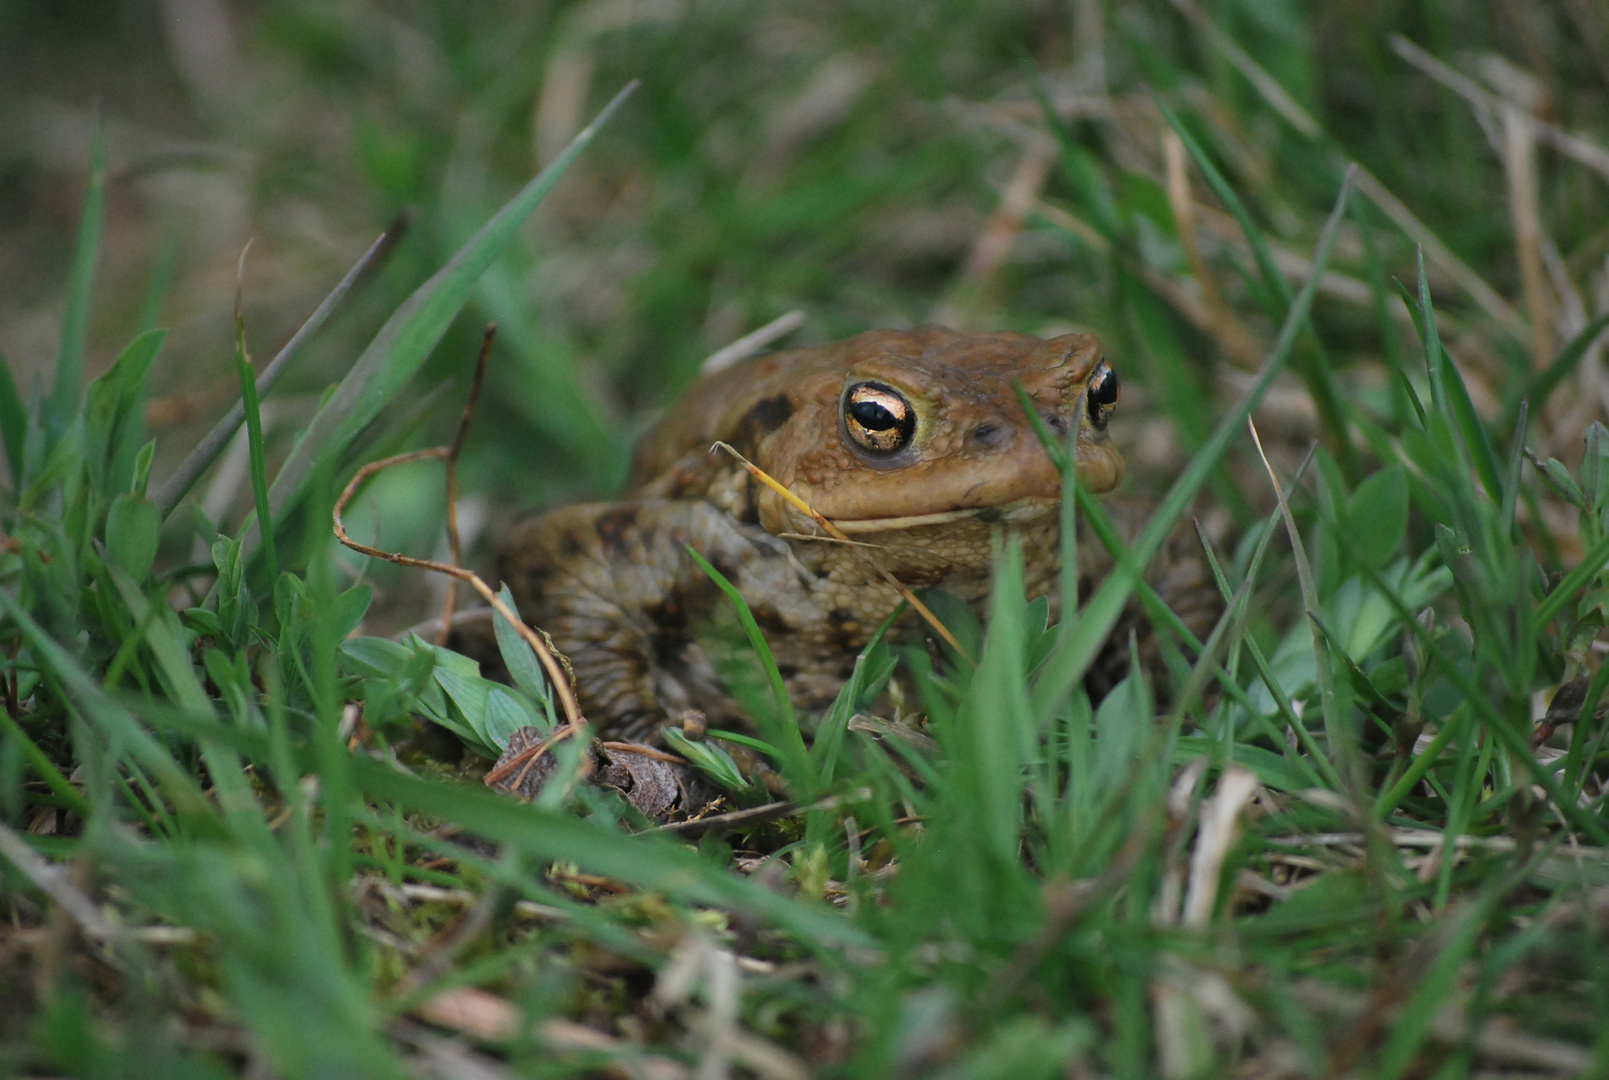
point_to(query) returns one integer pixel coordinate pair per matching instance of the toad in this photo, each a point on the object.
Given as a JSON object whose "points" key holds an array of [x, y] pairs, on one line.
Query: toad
{"points": [[913, 442]]}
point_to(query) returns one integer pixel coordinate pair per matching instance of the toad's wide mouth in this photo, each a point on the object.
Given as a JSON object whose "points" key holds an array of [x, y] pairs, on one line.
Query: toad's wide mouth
{"points": [[951, 488], [1016, 511]]}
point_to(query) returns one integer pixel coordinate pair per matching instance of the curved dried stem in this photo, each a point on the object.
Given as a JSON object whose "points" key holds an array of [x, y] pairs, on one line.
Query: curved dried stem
{"points": [[454, 547], [550, 664]]}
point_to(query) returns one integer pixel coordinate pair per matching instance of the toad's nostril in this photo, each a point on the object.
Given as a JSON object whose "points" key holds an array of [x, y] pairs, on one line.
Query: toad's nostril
{"points": [[991, 435]]}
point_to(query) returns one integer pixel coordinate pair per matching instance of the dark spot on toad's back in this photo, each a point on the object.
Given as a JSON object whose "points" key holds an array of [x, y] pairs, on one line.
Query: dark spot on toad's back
{"points": [[724, 566], [614, 529], [769, 619], [845, 630], [764, 417], [667, 644]]}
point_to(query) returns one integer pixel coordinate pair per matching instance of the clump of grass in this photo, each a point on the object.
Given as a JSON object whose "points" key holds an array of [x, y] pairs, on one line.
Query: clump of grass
{"points": [[1339, 844]]}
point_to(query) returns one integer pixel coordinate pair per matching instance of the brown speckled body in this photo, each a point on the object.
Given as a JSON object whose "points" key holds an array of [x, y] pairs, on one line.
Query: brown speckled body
{"points": [[613, 585]]}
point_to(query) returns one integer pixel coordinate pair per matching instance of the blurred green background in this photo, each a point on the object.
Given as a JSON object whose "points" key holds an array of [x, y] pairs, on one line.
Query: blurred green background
{"points": [[880, 163]]}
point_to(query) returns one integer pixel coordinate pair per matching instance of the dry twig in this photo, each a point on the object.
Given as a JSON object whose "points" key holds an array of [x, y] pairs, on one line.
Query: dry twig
{"points": [[556, 676]]}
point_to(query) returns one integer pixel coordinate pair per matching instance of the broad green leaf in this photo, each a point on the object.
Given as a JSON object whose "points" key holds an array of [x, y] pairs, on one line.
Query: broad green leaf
{"points": [[133, 530], [1272, 770], [711, 759], [203, 621], [1377, 515], [377, 656], [503, 716], [518, 657], [114, 413], [959, 618], [346, 611], [398, 669]]}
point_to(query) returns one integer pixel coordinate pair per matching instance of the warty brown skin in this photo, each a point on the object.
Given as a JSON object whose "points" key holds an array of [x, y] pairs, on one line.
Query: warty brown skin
{"points": [[613, 585]]}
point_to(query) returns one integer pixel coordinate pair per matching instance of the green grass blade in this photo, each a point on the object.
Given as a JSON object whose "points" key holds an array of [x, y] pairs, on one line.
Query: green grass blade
{"points": [[44, 768], [783, 730], [254, 444], [1328, 703], [1380, 295], [1473, 430], [1315, 371], [829, 737], [1071, 659], [1574, 582], [156, 289], [645, 861], [13, 426], [413, 330], [1388, 800], [208, 449], [1418, 1014], [1269, 270], [1430, 339], [106, 715], [1478, 697], [1101, 525], [1541, 387], [991, 737], [1319, 764], [66, 392]]}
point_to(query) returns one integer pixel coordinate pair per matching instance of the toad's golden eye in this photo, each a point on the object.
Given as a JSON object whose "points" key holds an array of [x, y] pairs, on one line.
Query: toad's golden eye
{"points": [[878, 419], [1101, 398]]}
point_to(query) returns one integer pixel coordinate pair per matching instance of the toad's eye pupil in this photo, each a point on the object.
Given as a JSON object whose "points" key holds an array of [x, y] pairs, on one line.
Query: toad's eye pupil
{"points": [[878, 420], [1102, 396], [873, 416], [1106, 389]]}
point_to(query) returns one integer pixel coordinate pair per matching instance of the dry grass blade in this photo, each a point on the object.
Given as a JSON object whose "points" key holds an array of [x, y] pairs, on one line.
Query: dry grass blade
{"points": [[749, 344], [838, 534], [1578, 147], [1338, 743], [208, 449], [55, 883], [1218, 817], [1524, 207], [1232, 336]]}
